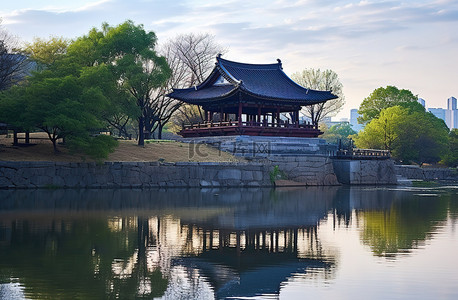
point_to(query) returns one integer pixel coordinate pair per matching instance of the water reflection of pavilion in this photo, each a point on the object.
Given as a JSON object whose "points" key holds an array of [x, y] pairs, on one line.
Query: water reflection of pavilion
{"points": [[254, 248], [257, 261]]}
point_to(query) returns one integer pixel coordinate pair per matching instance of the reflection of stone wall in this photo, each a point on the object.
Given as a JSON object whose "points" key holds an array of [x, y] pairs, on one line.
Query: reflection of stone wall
{"points": [[378, 172], [131, 174], [415, 172]]}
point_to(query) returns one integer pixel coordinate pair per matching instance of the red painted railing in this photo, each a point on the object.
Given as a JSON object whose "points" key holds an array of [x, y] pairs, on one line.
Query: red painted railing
{"points": [[251, 124]]}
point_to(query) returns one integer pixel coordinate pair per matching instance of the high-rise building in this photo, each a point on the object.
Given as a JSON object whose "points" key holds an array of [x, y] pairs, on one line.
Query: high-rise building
{"points": [[421, 101], [451, 103], [354, 120], [440, 113], [449, 115], [452, 113], [454, 118]]}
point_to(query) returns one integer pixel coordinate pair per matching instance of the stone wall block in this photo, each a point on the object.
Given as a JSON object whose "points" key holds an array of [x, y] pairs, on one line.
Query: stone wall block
{"points": [[259, 175], [247, 175], [5, 182], [42, 180], [233, 174]]}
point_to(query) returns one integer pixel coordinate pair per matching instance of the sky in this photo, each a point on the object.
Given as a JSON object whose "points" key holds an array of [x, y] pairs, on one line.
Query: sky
{"points": [[369, 44]]}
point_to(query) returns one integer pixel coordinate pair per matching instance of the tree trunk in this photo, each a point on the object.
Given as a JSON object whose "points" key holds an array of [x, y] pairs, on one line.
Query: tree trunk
{"points": [[141, 137], [15, 139], [54, 145], [159, 133]]}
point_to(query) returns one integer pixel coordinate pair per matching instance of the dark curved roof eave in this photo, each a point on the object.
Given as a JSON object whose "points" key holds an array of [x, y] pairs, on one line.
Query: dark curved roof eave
{"points": [[263, 81]]}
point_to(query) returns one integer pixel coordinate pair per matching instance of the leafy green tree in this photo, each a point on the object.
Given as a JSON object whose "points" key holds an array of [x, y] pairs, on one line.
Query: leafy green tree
{"points": [[130, 52], [410, 133], [382, 98], [46, 52], [423, 138], [451, 159], [64, 107], [326, 80], [381, 132], [339, 134]]}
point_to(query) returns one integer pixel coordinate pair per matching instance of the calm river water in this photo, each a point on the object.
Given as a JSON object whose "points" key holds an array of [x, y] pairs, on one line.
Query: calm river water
{"points": [[309, 243]]}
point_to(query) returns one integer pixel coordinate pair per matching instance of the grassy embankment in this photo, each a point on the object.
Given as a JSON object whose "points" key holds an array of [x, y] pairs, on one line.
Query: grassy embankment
{"points": [[168, 151]]}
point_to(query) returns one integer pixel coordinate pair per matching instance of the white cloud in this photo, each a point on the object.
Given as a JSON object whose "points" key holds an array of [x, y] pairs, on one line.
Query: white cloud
{"points": [[367, 42]]}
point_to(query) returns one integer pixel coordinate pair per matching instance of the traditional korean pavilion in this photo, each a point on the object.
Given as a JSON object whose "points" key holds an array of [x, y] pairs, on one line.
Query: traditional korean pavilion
{"points": [[247, 99]]}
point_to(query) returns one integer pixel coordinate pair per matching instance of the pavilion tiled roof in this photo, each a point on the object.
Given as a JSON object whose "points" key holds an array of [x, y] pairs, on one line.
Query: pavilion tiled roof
{"points": [[250, 81]]}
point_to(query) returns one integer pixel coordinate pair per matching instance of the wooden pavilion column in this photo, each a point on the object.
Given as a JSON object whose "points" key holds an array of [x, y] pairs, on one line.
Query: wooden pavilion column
{"points": [[278, 117], [258, 120], [239, 116]]}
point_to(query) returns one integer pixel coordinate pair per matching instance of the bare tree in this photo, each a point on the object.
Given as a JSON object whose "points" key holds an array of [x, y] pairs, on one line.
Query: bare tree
{"points": [[196, 53], [191, 58], [14, 66], [326, 80]]}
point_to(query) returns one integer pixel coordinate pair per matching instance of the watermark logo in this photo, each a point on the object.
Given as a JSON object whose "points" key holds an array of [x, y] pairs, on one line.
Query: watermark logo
{"points": [[200, 149]]}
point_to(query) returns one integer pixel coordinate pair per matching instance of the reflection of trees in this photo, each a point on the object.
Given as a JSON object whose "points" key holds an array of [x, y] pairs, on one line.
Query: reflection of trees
{"points": [[403, 226], [62, 258]]}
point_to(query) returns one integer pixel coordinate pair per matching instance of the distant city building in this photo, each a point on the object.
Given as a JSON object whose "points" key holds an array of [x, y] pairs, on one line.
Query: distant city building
{"points": [[329, 122], [453, 118], [449, 115], [421, 101], [354, 120], [440, 113], [451, 103]]}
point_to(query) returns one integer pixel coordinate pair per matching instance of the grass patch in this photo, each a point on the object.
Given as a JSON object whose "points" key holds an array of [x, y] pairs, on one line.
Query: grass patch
{"points": [[277, 174], [127, 150]]}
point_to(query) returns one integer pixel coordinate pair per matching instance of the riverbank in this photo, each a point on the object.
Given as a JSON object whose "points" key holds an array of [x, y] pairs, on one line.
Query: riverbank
{"points": [[174, 164], [154, 150]]}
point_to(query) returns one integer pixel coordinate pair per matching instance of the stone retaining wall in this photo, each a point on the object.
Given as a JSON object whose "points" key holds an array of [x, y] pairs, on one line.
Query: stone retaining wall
{"points": [[307, 170], [132, 174], [415, 172], [370, 172]]}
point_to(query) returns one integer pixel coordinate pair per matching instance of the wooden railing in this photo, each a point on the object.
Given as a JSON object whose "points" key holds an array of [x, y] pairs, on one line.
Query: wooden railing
{"points": [[254, 124], [363, 154]]}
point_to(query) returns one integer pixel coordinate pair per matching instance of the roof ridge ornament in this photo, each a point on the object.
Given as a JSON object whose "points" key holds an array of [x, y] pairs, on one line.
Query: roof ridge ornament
{"points": [[279, 63]]}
